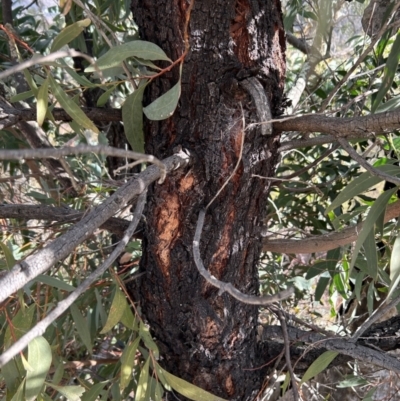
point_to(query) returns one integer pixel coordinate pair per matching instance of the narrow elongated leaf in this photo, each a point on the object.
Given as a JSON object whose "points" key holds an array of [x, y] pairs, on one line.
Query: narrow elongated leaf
{"points": [[8, 254], [21, 96], [116, 311], [371, 254], [127, 362], [143, 382], [102, 100], [187, 389], [71, 107], [319, 365], [391, 104], [39, 358], [389, 73], [19, 395], [55, 282], [93, 393], [42, 102], [144, 333], [81, 327], [69, 33], [321, 286], [21, 324], [395, 266], [164, 106], [132, 116], [361, 184], [369, 223], [71, 393], [138, 48]]}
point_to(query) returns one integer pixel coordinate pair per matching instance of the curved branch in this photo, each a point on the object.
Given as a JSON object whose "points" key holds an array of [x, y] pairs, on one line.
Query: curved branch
{"points": [[324, 242]]}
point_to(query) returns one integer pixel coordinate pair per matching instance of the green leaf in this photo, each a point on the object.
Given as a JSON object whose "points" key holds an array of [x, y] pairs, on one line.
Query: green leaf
{"points": [[9, 256], [127, 362], [19, 394], [361, 184], [370, 297], [128, 319], [187, 389], [371, 254], [391, 104], [145, 335], [394, 267], [143, 382], [102, 100], [72, 393], [369, 223], [21, 96], [39, 358], [93, 393], [164, 106], [132, 116], [389, 73], [71, 107], [116, 311], [42, 102], [69, 33], [54, 282], [319, 365], [81, 327], [321, 286], [138, 48], [21, 324]]}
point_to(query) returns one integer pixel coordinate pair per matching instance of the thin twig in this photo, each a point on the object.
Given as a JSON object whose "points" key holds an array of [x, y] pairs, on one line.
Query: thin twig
{"points": [[62, 306], [228, 287], [48, 153], [355, 156], [286, 340]]}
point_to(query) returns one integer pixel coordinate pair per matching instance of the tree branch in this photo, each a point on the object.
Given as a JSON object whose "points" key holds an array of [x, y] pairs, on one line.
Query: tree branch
{"points": [[61, 247], [62, 306], [325, 242]]}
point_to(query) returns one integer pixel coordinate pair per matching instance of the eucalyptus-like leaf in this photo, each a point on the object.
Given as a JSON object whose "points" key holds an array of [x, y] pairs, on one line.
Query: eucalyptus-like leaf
{"points": [[81, 327], [319, 365], [69, 33], [117, 309], [138, 48], [42, 102], [395, 267], [164, 106]]}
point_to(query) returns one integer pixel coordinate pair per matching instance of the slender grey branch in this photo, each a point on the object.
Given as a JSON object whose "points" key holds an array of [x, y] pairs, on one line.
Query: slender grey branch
{"points": [[286, 340], [355, 156], [61, 247], [376, 315], [62, 306], [228, 287], [49, 153]]}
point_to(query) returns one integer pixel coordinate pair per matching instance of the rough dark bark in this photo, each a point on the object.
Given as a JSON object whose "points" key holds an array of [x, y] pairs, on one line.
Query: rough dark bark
{"points": [[207, 339]]}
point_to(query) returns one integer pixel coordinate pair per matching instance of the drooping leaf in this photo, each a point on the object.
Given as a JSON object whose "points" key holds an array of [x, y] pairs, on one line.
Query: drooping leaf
{"points": [[321, 286], [394, 267], [92, 394], [55, 282], [138, 48], [71, 393], [8, 255], [164, 106], [39, 358], [369, 223], [143, 382], [389, 73], [371, 254], [19, 394], [42, 102], [81, 327], [102, 100], [145, 335], [69, 33], [187, 389], [319, 365], [71, 107], [127, 362], [116, 311], [362, 184], [132, 116]]}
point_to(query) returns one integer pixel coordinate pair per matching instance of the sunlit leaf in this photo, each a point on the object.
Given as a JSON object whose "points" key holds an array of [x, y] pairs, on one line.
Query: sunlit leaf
{"points": [[127, 362], [55, 282], [39, 358], [92, 394], [8, 255], [117, 309], [319, 365], [187, 389], [164, 106], [132, 116], [42, 102], [138, 48], [69, 33], [72, 393], [395, 267], [103, 99], [143, 382], [371, 254], [144, 333]]}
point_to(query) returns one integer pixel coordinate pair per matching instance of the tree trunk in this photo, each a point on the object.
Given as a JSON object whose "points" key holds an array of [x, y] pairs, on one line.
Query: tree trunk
{"points": [[205, 338]]}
